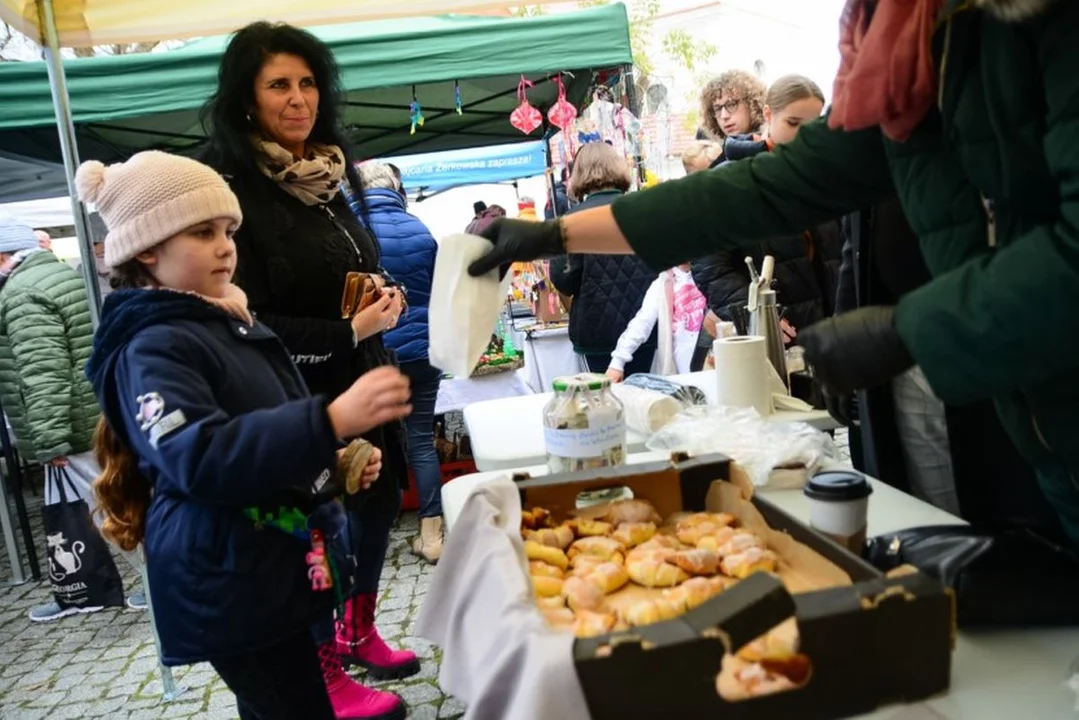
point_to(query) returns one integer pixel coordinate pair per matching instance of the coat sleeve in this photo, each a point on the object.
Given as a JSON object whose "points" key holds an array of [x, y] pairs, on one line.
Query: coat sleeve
{"points": [[725, 279], [640, 326], [301, 335], [820, 175], [566, 272], [44, 367], [197, 448], [974, 330]]}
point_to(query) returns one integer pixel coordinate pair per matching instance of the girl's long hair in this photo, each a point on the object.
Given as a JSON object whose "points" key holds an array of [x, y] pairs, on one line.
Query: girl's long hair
{"points": [[123, 494]]}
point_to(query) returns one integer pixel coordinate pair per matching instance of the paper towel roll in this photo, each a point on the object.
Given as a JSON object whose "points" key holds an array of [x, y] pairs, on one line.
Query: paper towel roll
{"points": [[742, 377], [646, 410]]}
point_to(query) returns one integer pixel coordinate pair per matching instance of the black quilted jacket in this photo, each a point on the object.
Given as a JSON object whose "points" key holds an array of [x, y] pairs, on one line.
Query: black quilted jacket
{"points": [[607, 291]]}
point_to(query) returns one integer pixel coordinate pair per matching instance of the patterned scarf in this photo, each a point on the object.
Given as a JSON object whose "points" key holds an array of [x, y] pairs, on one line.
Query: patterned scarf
{"points": [[313, 180], [886, 74]]}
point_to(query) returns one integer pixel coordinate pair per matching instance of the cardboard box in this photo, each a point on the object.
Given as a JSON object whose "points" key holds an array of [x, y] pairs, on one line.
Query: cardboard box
{"points": [[871, 640]]}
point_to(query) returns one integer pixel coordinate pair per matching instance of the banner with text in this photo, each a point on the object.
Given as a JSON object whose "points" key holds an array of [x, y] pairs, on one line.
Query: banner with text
{"points": [[432, 172]]}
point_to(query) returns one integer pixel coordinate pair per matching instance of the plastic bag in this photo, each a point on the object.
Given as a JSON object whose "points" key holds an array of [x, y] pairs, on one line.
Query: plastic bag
{"points": [[464, 309], [685, 394], [758, 445]]}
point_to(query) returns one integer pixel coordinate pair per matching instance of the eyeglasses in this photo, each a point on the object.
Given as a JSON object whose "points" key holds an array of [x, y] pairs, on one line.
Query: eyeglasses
{"points": [[731, 106]]}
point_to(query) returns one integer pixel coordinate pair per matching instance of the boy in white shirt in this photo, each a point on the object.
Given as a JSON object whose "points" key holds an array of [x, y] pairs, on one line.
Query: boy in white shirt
{"points": [[673, 301]]}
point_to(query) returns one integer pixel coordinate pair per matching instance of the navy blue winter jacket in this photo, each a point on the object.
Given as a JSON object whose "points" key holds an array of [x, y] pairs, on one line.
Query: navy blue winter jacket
{"points": [[220, 420], [408, 254]]}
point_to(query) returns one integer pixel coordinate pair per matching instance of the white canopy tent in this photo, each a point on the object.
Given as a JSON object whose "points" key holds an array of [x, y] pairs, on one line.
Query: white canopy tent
{"points": [[81, 23]]}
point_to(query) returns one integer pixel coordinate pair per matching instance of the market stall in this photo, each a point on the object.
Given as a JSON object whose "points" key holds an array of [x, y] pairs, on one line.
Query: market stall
{"points": [[995, 673], [458, 69]]}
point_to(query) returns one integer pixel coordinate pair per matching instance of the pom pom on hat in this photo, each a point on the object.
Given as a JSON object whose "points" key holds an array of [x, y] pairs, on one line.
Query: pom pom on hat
{"points": [[89, 180], [150, 198]]}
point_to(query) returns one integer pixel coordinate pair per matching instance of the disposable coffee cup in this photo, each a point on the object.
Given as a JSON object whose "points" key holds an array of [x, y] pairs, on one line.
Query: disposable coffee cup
{"points": [[839, 506]]}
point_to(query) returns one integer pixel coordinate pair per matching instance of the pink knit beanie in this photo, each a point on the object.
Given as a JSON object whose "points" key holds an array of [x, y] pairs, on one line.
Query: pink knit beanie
{"points": [[150, 198]]}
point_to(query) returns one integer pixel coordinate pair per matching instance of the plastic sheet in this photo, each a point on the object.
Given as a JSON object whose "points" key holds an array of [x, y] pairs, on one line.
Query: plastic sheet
{"points": [[685, 394], [758, 445]]}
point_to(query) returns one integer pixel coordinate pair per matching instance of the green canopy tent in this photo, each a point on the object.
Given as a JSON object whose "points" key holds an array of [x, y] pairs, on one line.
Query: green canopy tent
{"points": [[129, 103]]}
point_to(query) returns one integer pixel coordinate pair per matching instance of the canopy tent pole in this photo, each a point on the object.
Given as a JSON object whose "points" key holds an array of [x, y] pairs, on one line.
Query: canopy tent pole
{"points": [[65, 125]]}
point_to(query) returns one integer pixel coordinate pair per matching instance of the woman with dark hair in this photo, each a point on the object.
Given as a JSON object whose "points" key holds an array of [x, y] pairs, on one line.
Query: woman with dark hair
{"points": [[607, 290], [275, 136]]}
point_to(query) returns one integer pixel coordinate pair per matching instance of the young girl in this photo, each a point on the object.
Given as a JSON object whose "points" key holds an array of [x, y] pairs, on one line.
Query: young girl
{"points": [[213, 452], [674, 302]]}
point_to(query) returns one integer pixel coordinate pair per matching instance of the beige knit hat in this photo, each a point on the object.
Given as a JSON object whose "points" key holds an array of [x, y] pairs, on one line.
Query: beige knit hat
{"points": [[150, 198]]}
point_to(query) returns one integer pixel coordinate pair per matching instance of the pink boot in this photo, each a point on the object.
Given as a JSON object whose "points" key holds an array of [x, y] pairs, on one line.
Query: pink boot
{"points": [[350, 700], [358, 643]]}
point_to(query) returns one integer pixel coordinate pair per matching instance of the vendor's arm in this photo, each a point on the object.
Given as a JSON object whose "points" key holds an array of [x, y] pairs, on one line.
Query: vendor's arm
{"points": [[1000, 322], [197, 448], [640, 327], [819, 176]]}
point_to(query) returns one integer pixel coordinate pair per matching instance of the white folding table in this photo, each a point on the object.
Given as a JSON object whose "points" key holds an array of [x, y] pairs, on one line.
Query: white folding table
{"points": [[508, 432]]}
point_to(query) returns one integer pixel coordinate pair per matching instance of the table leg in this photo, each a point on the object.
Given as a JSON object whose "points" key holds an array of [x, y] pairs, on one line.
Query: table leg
{"points": [[9, 537]]}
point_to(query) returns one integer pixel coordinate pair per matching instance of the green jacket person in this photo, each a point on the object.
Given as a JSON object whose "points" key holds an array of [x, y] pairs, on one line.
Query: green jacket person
{"points": [[975, 125]]}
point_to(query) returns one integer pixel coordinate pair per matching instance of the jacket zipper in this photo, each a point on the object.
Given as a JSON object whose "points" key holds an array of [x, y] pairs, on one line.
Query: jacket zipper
{"points": [[344, 231], [1037, 431], [991, 221]]}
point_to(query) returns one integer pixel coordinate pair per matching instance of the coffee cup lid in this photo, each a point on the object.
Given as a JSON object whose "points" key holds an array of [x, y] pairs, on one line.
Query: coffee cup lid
{"points": [[838, 486]]}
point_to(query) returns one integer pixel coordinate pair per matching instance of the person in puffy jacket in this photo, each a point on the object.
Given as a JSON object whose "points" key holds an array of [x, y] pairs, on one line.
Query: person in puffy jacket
{"points": [[214, 453], [807, 266], [607, 290], [408, 254], [45, 339]]}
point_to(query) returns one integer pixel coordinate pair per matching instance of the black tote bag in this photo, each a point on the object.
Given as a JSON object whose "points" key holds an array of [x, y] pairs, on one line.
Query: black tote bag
{"points": [[81, 569]]}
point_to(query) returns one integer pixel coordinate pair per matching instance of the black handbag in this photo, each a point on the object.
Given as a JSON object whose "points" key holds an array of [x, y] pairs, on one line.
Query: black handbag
{"points": [[1010, 576], [81, 569]]}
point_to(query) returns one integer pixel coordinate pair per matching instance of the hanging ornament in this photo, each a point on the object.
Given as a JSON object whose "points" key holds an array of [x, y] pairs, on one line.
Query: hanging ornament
{"points": [[525, 117], [562, 114], [415, 113], [457, 98]]}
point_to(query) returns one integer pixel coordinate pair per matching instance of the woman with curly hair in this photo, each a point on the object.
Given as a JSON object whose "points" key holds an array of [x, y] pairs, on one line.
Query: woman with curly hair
{"points": [[732, 104]]}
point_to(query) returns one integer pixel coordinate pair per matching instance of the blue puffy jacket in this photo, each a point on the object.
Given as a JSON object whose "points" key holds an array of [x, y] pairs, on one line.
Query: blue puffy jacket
{"points": [[220, 421], [408, 254]]}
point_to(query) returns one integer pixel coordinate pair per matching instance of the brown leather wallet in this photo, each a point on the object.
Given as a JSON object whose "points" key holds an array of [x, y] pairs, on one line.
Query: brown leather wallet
{"points": [[360, 291]]}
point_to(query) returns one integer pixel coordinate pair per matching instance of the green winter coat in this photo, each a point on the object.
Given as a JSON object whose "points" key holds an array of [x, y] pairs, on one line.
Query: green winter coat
{"points": [[990, 183], [45, 341]]}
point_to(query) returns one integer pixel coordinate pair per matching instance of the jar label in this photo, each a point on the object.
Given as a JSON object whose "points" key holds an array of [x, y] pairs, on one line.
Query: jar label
{"points": [[587, 442]]}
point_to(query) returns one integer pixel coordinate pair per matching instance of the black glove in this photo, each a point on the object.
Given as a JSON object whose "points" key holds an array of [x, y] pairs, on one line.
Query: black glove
{"points": [[841, 408], [518, 241], [856, 350]]}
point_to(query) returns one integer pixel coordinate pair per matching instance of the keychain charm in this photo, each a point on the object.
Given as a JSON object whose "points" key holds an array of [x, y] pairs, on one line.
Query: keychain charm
{"points": [[318, 570]]}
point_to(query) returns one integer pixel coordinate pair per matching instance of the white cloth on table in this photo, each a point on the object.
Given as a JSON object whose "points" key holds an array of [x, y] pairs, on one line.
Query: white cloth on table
{"points": [[455, 394], [548, 354], [499, 655]]}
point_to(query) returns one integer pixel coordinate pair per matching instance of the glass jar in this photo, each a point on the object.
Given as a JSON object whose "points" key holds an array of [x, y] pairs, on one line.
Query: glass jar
{"points": [[584, 424]]}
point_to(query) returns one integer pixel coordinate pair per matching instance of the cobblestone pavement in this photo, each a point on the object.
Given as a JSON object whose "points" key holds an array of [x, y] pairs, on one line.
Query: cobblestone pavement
{"points": [[105, 664]]}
